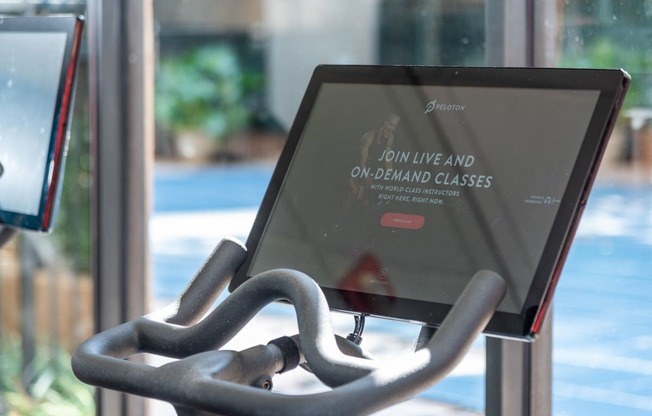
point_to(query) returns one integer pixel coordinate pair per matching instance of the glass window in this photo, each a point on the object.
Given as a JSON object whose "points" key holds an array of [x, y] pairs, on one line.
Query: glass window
{"points": [[603, 334], [230, 76]]}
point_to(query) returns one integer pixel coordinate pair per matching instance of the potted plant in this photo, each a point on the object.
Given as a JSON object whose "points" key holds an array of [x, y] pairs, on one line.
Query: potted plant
{"points": [[200, 100]]}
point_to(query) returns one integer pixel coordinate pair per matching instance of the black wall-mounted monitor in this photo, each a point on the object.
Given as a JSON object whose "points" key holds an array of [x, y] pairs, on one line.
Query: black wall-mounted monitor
{"points": [[38, 60], [398, 184]]}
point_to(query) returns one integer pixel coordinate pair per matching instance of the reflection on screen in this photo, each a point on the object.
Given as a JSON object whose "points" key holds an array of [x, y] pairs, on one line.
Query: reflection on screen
{"points": [[29, 80], [394, 187]]}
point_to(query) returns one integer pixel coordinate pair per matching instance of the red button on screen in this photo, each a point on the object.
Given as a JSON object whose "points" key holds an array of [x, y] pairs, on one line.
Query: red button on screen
{"points": [[408, 221]]}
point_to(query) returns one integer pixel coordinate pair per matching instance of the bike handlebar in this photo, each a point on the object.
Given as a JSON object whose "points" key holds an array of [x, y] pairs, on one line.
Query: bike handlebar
{"points": [[225, 382]]}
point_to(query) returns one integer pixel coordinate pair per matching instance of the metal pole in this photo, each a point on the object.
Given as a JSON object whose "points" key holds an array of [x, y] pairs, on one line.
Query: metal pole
{"points": [[519, 375], [507, 33], [121, 123]]}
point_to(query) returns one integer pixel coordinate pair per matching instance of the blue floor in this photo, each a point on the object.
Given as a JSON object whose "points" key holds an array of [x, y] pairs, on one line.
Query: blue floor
{"points": [[603, 307]]}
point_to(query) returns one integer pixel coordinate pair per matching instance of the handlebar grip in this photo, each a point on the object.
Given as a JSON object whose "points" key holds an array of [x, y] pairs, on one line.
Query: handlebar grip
{"points": [[211, 280]]}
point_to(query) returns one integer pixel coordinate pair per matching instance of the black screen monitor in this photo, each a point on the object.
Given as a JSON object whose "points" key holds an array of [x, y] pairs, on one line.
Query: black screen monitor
{"points": [[38, 57], [398, 184]]}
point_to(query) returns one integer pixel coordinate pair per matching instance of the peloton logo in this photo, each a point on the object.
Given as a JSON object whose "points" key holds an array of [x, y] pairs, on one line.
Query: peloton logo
{"points": [[434, 105]]}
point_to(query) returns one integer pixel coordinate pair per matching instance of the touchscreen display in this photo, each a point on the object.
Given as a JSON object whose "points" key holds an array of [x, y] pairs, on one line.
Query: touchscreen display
{"points": [[407, 191], [29, 82], [399, 183], [38, 59]]}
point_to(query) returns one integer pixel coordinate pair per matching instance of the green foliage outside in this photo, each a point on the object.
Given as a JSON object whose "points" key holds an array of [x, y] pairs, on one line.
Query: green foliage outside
{"points": [[608, 53], [611, 34], [52, 391], [204, 90]]}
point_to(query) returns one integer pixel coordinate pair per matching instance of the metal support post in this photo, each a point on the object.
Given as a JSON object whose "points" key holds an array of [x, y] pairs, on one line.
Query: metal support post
{"points": [[519, 375], [120, 35]]}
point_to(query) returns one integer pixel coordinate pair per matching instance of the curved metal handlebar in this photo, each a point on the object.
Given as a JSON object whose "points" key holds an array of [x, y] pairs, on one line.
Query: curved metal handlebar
{"points": [[225, 382]]}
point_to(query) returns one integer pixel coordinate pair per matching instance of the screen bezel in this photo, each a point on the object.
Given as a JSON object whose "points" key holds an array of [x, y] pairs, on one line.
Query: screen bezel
{"points": [[72, 26], [612, 85]]}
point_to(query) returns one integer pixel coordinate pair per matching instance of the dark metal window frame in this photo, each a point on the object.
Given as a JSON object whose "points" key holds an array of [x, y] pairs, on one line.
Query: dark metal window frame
{"points": [[120, 37], [519, 375]]}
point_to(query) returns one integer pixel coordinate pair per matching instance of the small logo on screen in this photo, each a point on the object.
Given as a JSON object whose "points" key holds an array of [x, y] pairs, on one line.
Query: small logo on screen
{"points": [[435, 105]]}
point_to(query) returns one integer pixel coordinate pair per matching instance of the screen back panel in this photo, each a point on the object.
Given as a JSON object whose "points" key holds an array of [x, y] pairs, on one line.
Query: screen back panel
{"points": [[37, 74], [398, 184]]}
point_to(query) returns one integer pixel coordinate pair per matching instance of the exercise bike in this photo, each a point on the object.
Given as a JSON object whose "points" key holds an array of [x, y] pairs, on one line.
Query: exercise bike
{"points": [[423, 219]]}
